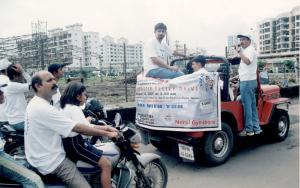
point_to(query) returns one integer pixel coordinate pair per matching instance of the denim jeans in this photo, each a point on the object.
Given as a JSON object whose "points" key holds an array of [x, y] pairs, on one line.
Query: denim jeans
{"points": [[163, 73], [15, 171], [18, 126], [248, 89]]}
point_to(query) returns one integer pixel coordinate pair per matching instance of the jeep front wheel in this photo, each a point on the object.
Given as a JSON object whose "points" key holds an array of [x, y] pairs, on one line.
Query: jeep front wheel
{"points": [[218, 145], [280, 125]]}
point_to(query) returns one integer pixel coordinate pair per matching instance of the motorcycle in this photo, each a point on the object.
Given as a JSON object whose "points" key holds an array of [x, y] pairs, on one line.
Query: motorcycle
{"points": [[12, 140], [130, 168]]}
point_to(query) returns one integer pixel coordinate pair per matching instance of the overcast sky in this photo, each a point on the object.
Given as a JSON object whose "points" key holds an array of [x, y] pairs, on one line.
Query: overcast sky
{"points": [[197, 23]]}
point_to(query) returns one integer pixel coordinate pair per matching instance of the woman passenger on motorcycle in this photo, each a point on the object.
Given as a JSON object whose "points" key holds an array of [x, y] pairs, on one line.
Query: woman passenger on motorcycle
{"points": [[75, 146]]}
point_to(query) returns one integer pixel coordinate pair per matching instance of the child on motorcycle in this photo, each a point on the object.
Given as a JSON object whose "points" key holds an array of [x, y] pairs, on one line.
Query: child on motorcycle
{"points": [[75, 146]]}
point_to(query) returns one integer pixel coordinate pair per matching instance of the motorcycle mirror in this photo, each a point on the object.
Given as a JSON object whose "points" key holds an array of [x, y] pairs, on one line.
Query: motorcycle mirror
{"points": [[118, 119]]}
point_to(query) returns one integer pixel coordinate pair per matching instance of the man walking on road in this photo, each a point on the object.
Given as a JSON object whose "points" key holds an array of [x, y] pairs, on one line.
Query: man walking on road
{"points": [[248, 85]]}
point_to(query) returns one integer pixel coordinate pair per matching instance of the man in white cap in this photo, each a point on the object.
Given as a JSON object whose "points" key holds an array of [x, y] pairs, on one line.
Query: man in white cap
{"points": [[248, 85], [4, 63]]}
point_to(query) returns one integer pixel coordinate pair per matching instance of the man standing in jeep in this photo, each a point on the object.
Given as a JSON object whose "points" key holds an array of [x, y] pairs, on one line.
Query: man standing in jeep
{"points": [[248, 85]]}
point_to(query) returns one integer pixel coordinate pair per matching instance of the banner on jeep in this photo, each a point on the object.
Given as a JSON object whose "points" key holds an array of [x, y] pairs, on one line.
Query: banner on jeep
{"points": [[188, 103]]}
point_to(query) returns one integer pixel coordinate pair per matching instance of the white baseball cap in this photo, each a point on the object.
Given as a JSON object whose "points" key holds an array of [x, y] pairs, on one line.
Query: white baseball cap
{"points": [[246, 35], [4, 63]]}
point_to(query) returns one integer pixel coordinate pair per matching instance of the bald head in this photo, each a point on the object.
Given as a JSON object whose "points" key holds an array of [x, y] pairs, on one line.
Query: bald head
{"points": [[37, 79], [44, 85]]}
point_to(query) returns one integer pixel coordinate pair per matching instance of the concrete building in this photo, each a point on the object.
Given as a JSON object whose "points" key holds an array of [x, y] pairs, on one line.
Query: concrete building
{"points": [[232, 40], [113, 56], [57, 45], [75, 46], [8, 46], [91, 49], [279, 37]]}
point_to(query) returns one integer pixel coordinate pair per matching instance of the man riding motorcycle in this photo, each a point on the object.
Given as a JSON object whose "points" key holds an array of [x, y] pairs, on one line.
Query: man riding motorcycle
{"points": [[44, 127], [10, 168]]}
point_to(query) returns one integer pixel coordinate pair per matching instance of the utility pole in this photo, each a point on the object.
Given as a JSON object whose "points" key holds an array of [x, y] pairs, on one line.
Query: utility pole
{"points": [[124, 70], [42, 53], [100, 67], [80, 59], [39, 37], [176, 45]]}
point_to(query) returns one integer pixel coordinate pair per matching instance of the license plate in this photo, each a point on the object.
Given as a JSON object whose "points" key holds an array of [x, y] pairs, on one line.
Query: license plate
{"points": [[186, 152]]}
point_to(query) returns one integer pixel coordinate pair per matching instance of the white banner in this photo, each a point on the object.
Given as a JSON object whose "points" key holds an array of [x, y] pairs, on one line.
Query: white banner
{"points": [[188, 103]]}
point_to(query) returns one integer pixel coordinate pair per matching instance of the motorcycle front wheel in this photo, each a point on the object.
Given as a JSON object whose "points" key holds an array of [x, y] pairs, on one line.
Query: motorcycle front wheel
{"points": [[157, 174]]}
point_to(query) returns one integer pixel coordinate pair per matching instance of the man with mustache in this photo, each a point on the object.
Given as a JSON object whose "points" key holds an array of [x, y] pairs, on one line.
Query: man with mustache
{"points": [[15, 104], [45, 126], [156, 53], [57, 70]]}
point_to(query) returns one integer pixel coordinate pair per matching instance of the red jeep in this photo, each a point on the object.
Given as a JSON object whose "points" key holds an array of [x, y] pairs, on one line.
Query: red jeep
{"points": [[216, 147]]}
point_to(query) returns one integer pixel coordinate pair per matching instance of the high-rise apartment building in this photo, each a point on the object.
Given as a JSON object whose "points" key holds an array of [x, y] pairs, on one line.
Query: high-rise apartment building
{"points": [[74, 46], [113, 55], [280, 35], [232, 41], [57, 45]]}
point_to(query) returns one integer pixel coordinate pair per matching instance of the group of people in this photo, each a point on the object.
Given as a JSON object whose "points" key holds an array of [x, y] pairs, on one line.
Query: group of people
{"points": [[156, 66], [53, 125]]}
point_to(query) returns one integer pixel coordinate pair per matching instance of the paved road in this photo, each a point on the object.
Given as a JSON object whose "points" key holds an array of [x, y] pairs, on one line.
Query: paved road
{"points": [[269, 165]]}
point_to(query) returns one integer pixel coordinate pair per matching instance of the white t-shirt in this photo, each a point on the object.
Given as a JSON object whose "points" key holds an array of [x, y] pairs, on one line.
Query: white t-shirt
{"points": [[3, 117], [248, 72], [154, 48], [44, 128], [56, 99], [75, 113], [15, 104], [200, 71]]}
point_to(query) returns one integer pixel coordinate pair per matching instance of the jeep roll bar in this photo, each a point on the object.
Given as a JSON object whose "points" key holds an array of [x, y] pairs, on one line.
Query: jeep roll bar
{"points": [[225, 72]]}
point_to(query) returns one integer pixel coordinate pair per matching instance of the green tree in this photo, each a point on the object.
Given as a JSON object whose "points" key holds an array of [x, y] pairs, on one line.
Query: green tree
{"points": [[289, 65], [261, 64]]}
